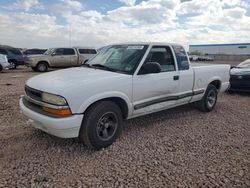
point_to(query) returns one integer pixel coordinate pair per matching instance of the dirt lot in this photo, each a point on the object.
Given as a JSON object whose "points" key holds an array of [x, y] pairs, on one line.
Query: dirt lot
{"points": [[181, 147]]}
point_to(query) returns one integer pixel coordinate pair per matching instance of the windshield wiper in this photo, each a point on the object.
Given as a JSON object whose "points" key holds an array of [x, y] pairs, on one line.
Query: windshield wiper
{"points": [[85, 65], [103, 67]]}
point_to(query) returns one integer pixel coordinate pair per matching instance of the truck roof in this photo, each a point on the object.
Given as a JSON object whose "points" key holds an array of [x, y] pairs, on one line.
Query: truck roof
{"points": [[147, 43]]}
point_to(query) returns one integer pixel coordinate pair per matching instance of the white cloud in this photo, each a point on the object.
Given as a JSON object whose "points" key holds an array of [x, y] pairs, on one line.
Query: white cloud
{"points": [[147, 12], [128, 2], [66, 6], [209, 21], [27, 4]]}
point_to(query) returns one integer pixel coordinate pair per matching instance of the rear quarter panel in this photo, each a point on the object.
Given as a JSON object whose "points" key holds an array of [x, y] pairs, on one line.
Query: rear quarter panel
{"points": [[207, 73]]}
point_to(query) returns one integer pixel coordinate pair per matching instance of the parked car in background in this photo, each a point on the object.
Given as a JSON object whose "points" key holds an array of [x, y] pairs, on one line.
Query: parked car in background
{"points": [[59, 57], [34, 51], [240, 77], [86, 53], [193, 57], [15, 56], [4, 64], [121, 82], [200, 58], [205, 58]]}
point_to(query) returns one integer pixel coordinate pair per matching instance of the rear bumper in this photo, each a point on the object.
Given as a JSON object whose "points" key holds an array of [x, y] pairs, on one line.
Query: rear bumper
{"points": [[67, 127]]}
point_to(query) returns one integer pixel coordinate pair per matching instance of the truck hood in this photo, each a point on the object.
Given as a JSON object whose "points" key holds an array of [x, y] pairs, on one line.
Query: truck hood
{"points": [[57, 81]]}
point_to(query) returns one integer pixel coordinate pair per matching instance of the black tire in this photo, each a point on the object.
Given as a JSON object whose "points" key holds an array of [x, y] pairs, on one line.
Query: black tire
{"points": [[101, 125], [1, 68], [208, 102], [12, 65], [42, 67]]}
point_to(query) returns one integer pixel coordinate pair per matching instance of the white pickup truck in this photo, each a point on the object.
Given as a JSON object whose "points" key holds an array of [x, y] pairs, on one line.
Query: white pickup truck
{"points": [[123, 81]]}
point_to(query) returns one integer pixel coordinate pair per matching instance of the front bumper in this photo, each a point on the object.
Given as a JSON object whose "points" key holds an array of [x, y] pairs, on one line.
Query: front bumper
{"points": [[240, 83], [65, 127]]}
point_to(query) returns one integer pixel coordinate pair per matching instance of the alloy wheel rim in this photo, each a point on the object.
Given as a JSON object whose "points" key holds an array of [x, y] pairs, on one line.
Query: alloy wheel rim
{"points": [[211, 99], [12, 64], [107, 126], [42, 67]]}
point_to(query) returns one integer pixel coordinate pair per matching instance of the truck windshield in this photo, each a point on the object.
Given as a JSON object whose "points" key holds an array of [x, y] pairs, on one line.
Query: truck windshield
{"points": [[119, 58], [49, 51]]}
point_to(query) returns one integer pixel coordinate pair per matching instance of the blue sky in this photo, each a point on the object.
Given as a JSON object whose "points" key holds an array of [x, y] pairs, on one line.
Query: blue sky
{"points": [[44, 23]]}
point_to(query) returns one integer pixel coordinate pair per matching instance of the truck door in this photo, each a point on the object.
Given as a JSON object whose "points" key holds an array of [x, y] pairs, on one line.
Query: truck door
{"points": [[153, 92], [58, 60], [70, 57], [186, 75]]}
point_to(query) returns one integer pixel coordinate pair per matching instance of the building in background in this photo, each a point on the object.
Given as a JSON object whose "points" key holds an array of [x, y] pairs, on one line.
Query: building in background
{"points": [[228, 52]]}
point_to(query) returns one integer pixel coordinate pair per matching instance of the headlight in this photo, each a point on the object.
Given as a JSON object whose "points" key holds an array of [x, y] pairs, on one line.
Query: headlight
{"points": [[53, 99]]}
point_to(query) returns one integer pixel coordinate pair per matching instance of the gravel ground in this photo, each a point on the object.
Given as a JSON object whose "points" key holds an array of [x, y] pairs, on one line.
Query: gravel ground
{"points": [[181, 147]]}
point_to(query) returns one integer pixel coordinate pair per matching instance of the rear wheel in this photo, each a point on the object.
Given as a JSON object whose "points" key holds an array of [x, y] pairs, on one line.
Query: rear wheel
{"points": [[1, 68], [101, 125], [42, 67], [208, 102]]}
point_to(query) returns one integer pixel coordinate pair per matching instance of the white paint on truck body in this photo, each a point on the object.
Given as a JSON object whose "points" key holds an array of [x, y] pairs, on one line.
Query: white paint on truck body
{"points": [[142, 93]]}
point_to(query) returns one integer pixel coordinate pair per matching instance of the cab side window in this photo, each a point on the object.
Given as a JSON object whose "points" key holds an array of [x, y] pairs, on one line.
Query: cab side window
{"points": [[59, 51], [181, 57], [162, 55], [68, 51]]}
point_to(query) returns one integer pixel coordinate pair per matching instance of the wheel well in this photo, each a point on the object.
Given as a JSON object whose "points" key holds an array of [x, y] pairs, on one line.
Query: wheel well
{"points": [[216, 83], [119, 101], [43, 62]]}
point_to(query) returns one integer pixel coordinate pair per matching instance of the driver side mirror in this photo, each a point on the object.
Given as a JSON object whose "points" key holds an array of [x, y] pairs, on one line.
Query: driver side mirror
{"points": [[150, 67], [54, 53]]}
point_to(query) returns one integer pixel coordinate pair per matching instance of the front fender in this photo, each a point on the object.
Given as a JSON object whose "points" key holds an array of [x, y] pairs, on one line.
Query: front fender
{"points": [[102, 96]]}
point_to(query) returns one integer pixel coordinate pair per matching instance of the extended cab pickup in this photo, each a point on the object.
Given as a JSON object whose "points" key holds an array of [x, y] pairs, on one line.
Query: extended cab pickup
{"points": [[123, 81], [59, 57]]}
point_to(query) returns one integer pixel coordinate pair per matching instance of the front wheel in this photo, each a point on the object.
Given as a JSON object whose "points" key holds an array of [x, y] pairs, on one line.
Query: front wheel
{"points": [[42, 67], [12, 65], [209, 100], [101, 125]]}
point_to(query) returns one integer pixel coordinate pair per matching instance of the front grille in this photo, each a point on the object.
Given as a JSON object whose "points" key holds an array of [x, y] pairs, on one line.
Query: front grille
{"points": [[33, 93]]}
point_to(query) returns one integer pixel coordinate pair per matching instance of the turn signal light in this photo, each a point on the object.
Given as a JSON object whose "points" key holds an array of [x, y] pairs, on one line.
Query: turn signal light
{"points": [[60, 112]]}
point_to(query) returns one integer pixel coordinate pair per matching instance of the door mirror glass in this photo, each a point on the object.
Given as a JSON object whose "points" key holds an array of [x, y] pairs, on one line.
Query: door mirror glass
{"points": [[150, 67]]}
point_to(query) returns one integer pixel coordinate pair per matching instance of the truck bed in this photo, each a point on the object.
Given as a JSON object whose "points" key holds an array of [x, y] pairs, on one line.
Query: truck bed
{"points": [[204, 64]]}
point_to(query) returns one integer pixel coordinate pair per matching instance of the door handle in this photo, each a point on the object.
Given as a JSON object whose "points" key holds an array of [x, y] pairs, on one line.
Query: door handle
{"points": [[176, 77]]}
